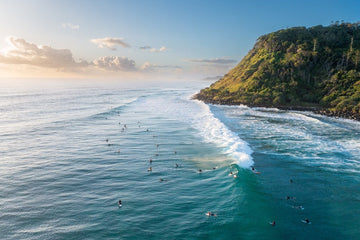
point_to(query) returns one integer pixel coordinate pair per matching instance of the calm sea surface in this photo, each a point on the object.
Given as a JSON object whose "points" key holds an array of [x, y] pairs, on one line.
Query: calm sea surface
{"points": [[70, 150]]}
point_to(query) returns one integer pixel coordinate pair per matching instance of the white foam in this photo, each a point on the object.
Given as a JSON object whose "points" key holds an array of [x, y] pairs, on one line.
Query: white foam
{"points": [[200, 117], [214, 131]]}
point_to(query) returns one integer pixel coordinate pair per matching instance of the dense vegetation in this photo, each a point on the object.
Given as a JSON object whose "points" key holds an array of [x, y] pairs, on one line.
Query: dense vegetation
{"points": [[303, 68]]}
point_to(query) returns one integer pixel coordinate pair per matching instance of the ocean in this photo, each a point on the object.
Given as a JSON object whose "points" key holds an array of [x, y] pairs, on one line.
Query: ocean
{"points": [[70, 150]]}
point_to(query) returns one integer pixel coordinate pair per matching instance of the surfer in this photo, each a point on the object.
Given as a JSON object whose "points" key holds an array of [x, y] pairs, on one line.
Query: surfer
{"points": [[273, 223], [291, 181], [150, 169], [254, 170], [305, 220], [176, 165], [211, 214], [162, 180], [199, 171], [299, 207], [150, 160], [120, 203]]}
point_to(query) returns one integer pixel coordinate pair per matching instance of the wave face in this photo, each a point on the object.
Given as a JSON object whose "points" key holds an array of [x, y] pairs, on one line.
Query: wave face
{"points": [[198, 115], [213, 130]]}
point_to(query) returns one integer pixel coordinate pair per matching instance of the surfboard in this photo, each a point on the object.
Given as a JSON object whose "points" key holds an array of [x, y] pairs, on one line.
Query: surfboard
{"points": [[210, 214], [303, 221]]}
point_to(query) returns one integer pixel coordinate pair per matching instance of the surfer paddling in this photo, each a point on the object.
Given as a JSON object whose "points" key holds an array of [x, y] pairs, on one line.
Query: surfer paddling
{"points": [[306, 221], [209, 214]]}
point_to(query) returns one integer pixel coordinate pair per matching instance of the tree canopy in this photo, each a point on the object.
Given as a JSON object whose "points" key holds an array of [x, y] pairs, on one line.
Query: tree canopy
{"points": [[316, 67]]}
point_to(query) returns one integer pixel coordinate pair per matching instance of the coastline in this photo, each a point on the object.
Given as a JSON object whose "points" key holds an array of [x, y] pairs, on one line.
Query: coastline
{"points": [[315, 109]]}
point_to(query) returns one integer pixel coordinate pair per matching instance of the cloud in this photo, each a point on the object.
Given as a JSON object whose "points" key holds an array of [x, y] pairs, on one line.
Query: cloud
{"points": [[148, 67], [145, 48], [162, 49], [150, 49], [22, 52], [214, 61], [110, 43], [213, 77], [70, 26], [24, 57], [115, 63]]}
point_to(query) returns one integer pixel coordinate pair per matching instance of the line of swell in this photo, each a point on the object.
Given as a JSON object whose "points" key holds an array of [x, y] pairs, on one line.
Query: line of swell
{"points": [[115, 110]]}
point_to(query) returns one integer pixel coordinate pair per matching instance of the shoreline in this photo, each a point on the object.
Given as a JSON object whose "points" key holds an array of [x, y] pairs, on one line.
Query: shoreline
{"points": [[318, 110]]}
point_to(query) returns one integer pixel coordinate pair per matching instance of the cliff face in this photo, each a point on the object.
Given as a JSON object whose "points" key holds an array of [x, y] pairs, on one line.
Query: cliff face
{"points": [[302, 68]]}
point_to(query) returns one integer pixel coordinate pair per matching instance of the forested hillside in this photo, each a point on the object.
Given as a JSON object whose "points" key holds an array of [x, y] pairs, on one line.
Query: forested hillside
{"points": [[302, 68]]}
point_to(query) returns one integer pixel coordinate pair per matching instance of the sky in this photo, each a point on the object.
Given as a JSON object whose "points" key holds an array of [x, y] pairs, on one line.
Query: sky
{"points": [[134, 39]]}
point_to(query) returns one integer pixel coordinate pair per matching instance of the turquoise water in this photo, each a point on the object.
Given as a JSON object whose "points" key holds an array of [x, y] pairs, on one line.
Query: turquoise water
{"points": [[71, 150]]}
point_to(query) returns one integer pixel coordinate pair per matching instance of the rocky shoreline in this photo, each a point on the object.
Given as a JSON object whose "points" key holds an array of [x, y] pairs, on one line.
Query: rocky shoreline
{"points": [[345, 114], [317, 110]]}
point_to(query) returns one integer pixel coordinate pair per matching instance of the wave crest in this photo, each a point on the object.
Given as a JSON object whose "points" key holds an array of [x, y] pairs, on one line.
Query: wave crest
{"points": [[215, 131]]}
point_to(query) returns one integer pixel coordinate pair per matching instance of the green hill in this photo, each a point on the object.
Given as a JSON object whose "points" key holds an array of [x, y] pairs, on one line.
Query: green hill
{"points": [[297, 68]]}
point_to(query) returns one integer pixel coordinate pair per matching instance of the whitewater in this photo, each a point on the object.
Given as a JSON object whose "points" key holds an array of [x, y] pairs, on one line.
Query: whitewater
{"points": [[70, 150]]}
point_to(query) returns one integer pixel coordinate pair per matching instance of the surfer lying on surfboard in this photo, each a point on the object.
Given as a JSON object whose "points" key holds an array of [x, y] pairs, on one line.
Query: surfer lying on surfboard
{"points": [[299, 207], [210, 214], [272, 223], [306, 221]]}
